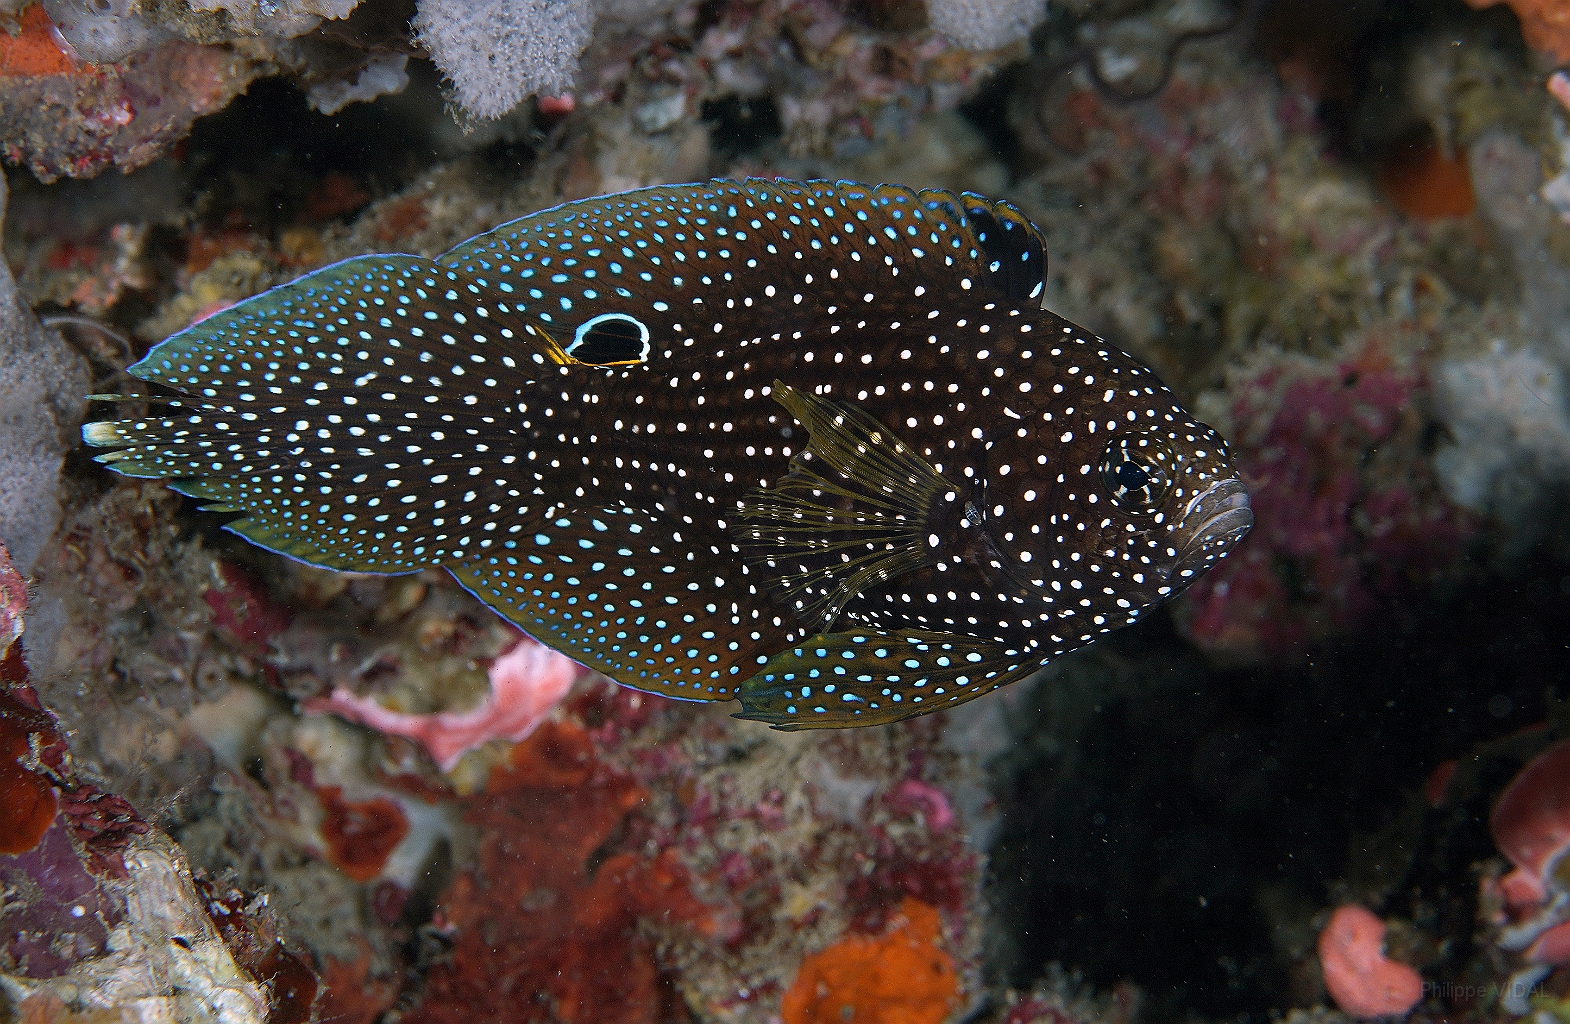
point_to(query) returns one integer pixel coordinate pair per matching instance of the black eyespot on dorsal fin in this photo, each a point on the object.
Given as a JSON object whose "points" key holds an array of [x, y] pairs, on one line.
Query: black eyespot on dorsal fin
{"points": [[1015, 248], [1011, 251]]}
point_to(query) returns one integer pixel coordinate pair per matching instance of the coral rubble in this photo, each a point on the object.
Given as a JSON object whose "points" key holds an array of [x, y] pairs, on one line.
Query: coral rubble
{"points": [[102, 914]]}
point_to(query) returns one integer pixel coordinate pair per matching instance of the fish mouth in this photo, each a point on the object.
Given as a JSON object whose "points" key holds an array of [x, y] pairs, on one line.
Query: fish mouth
{"points": [[1215, 520]]}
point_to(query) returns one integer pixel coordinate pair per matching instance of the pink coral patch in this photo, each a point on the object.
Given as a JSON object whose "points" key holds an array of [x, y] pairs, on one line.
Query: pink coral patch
{"points": [[913, 796], [526, 684]]}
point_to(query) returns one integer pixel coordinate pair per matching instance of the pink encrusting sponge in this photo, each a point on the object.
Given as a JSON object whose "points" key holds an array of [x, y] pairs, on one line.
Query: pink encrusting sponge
{"points": [[1363, 981]]}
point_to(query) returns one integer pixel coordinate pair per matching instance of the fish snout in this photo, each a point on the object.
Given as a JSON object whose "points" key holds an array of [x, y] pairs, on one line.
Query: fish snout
{"points": [[1212, 525]]}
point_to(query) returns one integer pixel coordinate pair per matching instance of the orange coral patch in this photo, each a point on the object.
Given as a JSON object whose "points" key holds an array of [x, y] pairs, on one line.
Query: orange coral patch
{"points": [[900, 977], [360, 834], [401, 218], [1425, 184], [335, 196], [560, 756], [35, 50], [1545, 24]]}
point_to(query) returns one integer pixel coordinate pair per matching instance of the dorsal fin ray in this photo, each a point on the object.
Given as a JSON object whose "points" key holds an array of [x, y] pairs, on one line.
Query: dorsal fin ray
{"points": [[1013, 249], [854, 512]]}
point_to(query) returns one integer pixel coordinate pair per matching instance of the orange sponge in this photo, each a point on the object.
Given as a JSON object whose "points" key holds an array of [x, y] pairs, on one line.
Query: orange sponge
{"points": [[1545, 24], [1425, 184], [900, 977], [36, 49]]}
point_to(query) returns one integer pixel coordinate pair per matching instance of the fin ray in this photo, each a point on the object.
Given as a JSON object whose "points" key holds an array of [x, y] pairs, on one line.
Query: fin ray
{"points": [[823, 536]]}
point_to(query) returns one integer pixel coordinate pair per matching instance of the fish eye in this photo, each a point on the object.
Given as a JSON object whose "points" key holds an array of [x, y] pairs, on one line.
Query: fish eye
{"points": [[1137, 472], [1131, 476]]}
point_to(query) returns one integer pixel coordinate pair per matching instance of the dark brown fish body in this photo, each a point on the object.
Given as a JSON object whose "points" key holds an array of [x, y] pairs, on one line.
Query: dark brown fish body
{"points": [[814, 446]]}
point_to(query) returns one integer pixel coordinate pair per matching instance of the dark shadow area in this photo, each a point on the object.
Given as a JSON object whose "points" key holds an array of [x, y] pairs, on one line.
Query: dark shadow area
{"points": [[1197, 817], [738, 124], [265, 154]]}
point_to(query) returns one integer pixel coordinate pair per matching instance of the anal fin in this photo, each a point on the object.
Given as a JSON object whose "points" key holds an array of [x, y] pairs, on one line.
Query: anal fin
{"points": [[622, 591], [872, 677]]}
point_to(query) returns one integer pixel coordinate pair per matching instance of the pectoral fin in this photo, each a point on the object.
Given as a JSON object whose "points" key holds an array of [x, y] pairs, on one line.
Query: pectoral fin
{"points": [[853, 511]]}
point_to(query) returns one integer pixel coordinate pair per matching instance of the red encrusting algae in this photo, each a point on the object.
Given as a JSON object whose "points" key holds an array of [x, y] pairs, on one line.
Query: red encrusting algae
{"points": [[37, 781], [27, 797], [251, 934], [1530, 824], [542, 932], [360, 834], [902, 976], [350, 995], [1436, 788], [242, 608]]}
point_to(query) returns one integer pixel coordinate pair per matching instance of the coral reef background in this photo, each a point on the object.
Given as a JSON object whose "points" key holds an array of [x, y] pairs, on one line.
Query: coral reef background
{"points": [[1329, 781]]}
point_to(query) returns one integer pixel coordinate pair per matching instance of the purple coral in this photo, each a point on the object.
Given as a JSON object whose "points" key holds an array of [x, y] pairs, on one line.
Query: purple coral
{"points": [[1348, 514]]}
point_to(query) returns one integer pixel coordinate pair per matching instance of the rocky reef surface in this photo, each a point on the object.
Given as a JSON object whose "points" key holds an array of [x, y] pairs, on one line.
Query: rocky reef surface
{"points": [[1330, 781]]}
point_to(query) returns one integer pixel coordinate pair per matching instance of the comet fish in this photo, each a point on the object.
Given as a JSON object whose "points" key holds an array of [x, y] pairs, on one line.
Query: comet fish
{"points": [[810, 445]]}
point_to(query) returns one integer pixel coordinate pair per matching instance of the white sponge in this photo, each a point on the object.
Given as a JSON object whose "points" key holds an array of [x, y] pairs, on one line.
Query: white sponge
{"points": [[499, 52], [984, 24]]}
